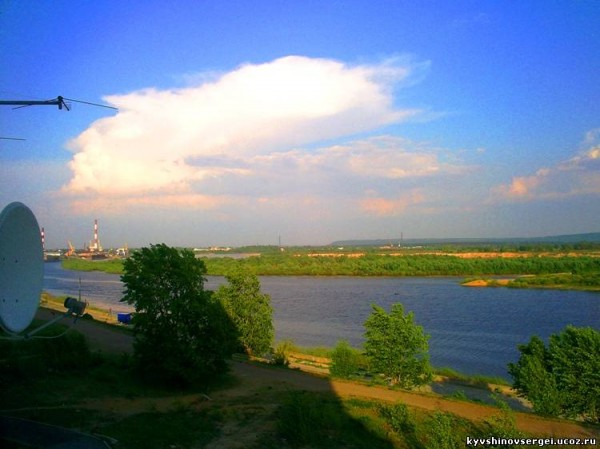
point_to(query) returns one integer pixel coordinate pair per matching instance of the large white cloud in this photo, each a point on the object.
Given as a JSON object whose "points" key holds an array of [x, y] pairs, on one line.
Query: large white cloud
{"points": [[248, 147], [166, 142]]}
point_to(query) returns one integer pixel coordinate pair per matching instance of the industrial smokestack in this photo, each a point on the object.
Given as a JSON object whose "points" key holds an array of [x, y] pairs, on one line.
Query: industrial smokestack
{"points": [[43, 240], [96, 241]]}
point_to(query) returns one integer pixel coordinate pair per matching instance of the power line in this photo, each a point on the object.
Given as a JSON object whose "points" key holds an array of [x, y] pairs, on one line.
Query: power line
{"points": [[58, 101]]}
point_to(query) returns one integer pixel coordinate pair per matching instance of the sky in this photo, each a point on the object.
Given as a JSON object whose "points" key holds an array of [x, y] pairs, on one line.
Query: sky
{"points": [[246, 122]]}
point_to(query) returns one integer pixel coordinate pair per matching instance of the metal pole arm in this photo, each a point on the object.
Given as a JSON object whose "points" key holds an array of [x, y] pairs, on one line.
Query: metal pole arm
{"points": [[49, 323], [28, 103]]}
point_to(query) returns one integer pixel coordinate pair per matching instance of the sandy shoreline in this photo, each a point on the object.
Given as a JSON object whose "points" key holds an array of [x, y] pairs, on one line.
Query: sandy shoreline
{"points": [[487, 283]]}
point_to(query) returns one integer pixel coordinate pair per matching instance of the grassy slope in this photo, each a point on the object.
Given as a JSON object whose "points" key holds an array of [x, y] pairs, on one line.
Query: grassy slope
{"points": [[60, 381]]}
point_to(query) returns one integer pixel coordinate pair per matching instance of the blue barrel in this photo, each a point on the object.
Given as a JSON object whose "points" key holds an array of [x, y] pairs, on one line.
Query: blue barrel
{"points": [[124, 318]]}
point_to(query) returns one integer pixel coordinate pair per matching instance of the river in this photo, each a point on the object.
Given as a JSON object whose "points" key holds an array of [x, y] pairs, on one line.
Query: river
{"points": [[473, 330]]}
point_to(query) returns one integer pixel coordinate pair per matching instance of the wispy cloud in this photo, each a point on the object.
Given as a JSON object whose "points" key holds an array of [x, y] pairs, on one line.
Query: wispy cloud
{"points": [[382, 206], [579, 175]]}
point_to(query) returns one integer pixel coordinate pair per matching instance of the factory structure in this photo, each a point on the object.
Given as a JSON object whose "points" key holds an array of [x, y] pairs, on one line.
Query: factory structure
{"points": [[91, 250]]}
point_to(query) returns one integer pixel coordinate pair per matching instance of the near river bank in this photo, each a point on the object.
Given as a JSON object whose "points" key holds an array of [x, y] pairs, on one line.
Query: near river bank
{"points": [[245, 409]]}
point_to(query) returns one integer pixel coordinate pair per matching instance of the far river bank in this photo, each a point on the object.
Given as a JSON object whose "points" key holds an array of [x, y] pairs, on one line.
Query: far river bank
{"points": [[563, 271]]}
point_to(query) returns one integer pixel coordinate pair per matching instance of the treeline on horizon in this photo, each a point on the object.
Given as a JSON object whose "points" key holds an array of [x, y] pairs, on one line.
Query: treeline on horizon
{"points": [[377, 265], [417, 246], [410, 265], [577, 241]]}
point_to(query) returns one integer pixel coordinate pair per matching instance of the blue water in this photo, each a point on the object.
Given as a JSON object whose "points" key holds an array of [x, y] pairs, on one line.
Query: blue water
{"points": [[473, 330]]}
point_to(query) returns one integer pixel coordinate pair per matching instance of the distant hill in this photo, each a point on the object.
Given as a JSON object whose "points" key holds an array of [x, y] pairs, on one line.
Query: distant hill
{"points": [[569, 238]]}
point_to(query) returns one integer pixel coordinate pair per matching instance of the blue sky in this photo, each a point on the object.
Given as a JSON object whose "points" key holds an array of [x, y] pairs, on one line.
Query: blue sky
{"points": [[242, 121]]}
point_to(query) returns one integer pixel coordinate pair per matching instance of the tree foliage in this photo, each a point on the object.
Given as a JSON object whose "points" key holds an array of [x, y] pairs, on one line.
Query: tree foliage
{"points": [[563, 378], [250, 311], [181, 333], [345, 360], [585, 270], [397, 347], [533, 377]]}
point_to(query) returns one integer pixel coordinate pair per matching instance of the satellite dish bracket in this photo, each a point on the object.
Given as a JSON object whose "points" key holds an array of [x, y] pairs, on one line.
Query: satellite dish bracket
{"points": [[74, 307]]}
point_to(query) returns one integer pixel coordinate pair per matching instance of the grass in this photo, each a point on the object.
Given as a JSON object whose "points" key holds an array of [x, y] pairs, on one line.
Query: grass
{"points": [[113, 266], [316, 351], [178, 428], [588, 281], [566, 281], [321, 420], [473, 380], [476, 379]]}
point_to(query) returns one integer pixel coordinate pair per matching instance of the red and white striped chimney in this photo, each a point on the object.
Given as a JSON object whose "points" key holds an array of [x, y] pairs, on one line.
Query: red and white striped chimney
{"points": [[96, 242]]}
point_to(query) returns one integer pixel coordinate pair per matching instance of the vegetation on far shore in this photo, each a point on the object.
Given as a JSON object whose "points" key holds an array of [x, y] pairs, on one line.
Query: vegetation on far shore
{"points": [[112, 266], [375, 265], [559, 281], [539, 270]]}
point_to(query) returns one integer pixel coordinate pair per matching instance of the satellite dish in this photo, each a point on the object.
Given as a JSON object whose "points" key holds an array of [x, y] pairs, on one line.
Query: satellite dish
{"points": [[21, 267]]}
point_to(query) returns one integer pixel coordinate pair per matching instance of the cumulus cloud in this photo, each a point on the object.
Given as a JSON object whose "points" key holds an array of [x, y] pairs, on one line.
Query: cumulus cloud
{"points": [[155, 145], [246, 147], [577, 176]]}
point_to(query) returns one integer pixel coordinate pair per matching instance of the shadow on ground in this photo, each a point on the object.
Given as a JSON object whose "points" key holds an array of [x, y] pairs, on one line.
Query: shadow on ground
{"points": [[478, 393]]}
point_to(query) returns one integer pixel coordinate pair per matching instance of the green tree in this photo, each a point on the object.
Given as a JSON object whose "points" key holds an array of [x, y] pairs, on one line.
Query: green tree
{"points": [[397, 347], [250, 311], [575, 359], [344, 360], [533, 378], [564, 378], [181, 333]]}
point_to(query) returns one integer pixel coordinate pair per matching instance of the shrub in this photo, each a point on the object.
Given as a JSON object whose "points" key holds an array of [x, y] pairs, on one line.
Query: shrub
{"points": [[280, 354], [441, 433], [399, 417], [344, 360]]}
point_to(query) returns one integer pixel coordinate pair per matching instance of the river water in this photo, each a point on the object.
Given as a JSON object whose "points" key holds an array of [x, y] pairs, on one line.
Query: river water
{"points": [[473, 330]]}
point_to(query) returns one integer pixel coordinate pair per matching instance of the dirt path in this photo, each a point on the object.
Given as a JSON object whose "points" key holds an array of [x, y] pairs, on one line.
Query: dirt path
{"points": [[100, 337], [256, 378], [526, 422]]}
